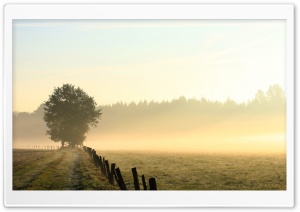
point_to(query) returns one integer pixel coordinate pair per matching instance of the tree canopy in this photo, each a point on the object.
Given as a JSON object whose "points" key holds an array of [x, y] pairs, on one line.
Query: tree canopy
{"points": [[69, 112]]}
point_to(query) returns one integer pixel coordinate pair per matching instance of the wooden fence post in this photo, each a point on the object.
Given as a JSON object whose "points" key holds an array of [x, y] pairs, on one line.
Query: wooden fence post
{"points": [[135, 179], [152, 183], [107, 168], [144, 182], [119, 179], [110, 171], [89, 150], [111, 174], [101, 165], [104, 166], [94, 157]]}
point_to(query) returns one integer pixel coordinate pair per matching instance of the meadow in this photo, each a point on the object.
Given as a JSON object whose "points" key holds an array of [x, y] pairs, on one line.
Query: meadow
{"points": [[63, 169], [202, 171]]}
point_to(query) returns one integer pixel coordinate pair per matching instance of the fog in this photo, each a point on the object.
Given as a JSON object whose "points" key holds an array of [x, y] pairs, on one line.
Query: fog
{"points": [[236, 135], [189, 125]]}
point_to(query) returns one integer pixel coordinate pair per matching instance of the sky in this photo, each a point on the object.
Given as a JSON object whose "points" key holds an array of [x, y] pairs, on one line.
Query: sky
{"points": [[137, 60]]}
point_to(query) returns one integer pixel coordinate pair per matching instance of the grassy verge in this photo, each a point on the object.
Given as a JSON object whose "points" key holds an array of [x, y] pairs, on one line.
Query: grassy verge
{"points": [[64, 169]]}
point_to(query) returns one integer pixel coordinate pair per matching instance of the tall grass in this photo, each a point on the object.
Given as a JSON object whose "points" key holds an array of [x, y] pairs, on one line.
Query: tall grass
{"points": [[183, 171]]}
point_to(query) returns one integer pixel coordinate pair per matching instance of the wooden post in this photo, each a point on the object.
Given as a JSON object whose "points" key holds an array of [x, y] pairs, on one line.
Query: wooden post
{"points": [[100, 164], [89, 150], [107, 169], [119, 179], [144, 182], [104, 167], [92, 153], [135, 179], [94, 157], [152, 183], [100, 161], [111, 174]]}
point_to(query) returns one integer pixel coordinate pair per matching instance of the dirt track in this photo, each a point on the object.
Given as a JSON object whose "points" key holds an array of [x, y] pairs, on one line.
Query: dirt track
{"points": [[64, 169]]}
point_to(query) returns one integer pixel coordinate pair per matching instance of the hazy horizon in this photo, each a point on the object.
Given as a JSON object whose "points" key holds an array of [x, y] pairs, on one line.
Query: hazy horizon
{"points": [[188, 79], [182, 125]]}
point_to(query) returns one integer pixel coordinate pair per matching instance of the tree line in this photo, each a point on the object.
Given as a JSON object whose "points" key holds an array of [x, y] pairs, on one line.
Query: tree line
{"points": [[177, 114]]}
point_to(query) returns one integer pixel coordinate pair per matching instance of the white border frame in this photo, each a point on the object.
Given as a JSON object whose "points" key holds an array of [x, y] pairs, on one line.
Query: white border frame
{"points": [[148, 198]]}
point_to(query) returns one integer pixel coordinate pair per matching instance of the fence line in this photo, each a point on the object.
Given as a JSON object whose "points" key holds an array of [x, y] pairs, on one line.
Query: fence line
{"points": [[114, 174], [39, 147]]}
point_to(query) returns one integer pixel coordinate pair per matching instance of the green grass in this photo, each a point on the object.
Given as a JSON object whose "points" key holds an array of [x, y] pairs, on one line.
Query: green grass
{"points": [[64, 169], [180, 171]]}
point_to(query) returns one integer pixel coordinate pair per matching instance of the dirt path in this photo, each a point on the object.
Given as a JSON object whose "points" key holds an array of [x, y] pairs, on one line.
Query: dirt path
{"points": [[65, 169]]}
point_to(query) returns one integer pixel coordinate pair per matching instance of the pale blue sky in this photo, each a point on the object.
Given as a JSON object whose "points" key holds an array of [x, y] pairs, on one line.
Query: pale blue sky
{"points": [[134, 60]]}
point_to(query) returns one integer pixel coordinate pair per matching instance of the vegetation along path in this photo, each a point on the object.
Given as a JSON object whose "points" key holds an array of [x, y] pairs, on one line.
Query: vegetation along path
{"points": [[63, 169]]}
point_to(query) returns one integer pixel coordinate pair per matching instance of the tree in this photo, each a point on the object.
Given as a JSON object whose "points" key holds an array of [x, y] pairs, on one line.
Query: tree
{"points": [[276, 94], [260, 98], [69, 112]]}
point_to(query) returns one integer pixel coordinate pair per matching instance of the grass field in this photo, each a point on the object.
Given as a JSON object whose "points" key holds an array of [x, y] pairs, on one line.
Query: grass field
{"points": [[180, 171], [64, 169], [72, 169]]}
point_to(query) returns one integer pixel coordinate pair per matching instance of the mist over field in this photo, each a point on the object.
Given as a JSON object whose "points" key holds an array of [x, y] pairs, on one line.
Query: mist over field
{"points": [[188, 125], [179, 103]]}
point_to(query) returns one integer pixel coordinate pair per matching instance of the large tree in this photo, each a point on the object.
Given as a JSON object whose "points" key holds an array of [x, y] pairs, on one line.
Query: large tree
{"points": [[69, 112]]}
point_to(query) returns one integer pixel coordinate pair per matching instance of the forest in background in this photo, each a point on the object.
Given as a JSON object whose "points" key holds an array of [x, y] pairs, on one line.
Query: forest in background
{"points": [[264, 114]]}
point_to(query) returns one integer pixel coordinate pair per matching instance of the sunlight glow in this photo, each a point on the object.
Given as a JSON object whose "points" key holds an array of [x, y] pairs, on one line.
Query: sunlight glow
{"points": [[125, 60]]}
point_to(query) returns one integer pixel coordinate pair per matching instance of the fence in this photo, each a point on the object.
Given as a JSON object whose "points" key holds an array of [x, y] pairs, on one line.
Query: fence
{"points": [[112, 173], [46, 147]]}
